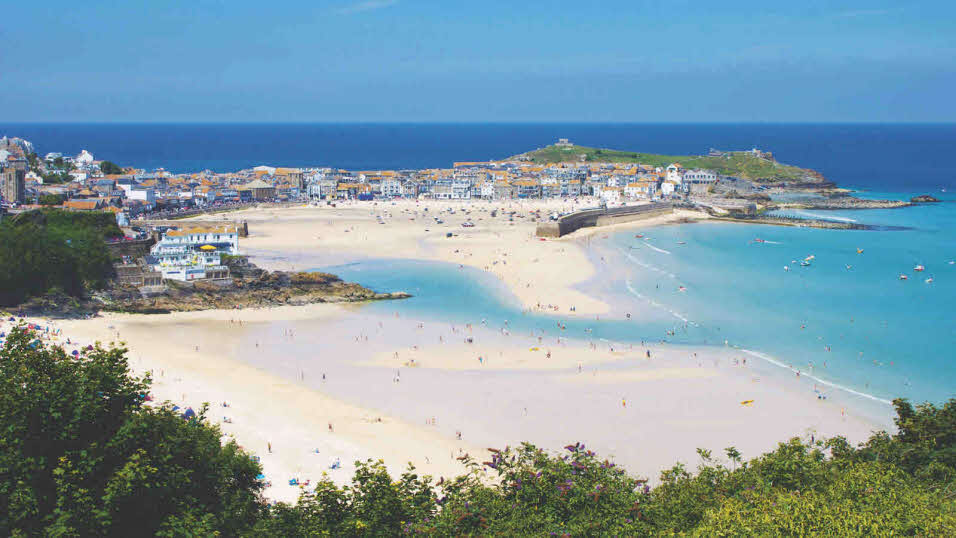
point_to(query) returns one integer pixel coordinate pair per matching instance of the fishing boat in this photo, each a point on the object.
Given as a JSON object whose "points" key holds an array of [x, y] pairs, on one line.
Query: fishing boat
{"points": [[682, 288], [682, 242], [919, 268], [929, 280], [859, 251], [758, 240], [639, 236], [904, 277]]}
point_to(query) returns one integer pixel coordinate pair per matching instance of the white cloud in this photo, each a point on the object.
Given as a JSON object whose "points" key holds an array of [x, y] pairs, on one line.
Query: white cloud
{"points": [[367, 5]]}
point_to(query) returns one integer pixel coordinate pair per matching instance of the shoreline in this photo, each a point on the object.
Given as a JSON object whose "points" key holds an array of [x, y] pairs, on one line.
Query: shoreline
{"points": [[501, 389], [272, 416], [690, 394]]}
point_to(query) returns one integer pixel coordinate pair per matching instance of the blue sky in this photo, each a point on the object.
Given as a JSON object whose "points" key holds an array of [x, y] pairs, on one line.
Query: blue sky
{"points": [[446, 61]]}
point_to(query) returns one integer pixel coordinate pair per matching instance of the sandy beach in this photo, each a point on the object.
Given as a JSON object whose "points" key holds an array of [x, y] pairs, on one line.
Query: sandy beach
{"points": [[542, 274], [304, 387]]}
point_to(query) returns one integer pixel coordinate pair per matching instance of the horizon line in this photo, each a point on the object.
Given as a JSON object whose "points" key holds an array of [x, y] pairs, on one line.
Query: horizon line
{"points": [[464, 122]]}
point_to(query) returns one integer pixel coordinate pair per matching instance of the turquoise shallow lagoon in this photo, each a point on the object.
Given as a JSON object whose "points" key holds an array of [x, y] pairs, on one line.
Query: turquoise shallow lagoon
{"points": [[846, 322]]}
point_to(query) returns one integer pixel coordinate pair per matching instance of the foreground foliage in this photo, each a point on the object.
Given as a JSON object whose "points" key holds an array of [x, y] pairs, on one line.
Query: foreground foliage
{"points": [[80, 454], [54, 250]]}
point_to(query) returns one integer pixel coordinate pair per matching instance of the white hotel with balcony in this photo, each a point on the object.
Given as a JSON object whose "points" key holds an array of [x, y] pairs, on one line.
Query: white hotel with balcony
{"points": [[194, 253]]}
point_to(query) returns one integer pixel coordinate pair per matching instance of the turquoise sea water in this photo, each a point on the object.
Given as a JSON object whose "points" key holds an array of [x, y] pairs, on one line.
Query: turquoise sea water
{"points": [[856, 331]]}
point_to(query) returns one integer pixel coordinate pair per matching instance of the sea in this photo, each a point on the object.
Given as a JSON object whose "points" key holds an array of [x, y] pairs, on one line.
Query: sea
{"points": [[846, 322]]}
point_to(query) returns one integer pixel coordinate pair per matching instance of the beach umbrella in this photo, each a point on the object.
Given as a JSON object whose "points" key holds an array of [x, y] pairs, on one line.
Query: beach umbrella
{"points": [[207, 247]]}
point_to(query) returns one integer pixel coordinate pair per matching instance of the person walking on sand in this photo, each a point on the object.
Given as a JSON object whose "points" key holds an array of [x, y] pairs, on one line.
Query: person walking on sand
{"points": [[269, 446]]}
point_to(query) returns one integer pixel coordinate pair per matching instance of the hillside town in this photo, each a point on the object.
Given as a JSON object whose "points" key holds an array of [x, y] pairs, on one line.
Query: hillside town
{"points": [[81, 182], [142, 199]]}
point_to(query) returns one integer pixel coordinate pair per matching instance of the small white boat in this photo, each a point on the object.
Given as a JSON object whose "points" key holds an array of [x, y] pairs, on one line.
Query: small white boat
{"points": [[929, 280], [919, 268], [904, 277]]}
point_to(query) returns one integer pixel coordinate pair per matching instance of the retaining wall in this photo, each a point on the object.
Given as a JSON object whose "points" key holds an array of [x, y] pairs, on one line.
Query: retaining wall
{"points": [[601, 217]]}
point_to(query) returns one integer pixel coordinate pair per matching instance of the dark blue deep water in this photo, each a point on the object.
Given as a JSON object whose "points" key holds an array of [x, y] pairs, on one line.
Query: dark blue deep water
{"points": [[888, 158]]}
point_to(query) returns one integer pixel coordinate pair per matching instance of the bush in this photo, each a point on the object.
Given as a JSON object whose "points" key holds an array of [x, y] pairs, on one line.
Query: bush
{"points": [[81, 455], [42, 250]]}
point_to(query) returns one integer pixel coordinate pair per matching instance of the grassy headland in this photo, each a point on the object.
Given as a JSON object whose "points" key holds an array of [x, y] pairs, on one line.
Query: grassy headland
{"points": [[743, 164]]}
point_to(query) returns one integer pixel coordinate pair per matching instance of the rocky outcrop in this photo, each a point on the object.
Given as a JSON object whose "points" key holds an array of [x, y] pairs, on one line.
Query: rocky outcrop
{"points": [[262, 289], [843, 202], [923, 199]]}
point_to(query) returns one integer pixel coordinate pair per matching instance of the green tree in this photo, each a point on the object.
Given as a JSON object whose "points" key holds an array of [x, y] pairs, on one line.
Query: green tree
{"points": [[867, 499], [33, 161], [108, 167], [924, 444], [82, 455], [56, 178], [42, 251], [51, 199]]}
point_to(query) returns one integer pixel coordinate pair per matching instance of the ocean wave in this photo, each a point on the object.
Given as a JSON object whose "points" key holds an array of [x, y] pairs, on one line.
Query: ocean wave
{"points": [[652, 247], [652, 302], [830, 384], [647, 265]]}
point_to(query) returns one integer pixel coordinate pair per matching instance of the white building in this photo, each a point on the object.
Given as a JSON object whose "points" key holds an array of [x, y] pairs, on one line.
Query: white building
{"points": [[668, 187], [700, 176], [675, 173], [640, 189], [194, 253], [486, 190], [611, 195], [145, 194], [391, 188], [85, 158]]}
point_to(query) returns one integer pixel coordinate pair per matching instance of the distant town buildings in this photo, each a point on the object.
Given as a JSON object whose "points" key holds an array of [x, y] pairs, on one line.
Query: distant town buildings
{"points": [[77, 182]]}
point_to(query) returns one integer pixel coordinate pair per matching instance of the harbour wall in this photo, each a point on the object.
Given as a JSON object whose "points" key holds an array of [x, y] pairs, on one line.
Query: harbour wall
{"points": [[601, 217]]}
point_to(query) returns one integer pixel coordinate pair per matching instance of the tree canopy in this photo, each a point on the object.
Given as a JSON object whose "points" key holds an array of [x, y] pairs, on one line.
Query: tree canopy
{"points": [[108, 167], [82, 455], [47, 250]]}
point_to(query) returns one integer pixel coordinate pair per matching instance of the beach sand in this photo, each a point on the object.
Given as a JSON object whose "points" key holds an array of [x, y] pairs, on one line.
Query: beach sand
{"points": [[190, 357], [425, 391], [288, 372], [542, 274]]}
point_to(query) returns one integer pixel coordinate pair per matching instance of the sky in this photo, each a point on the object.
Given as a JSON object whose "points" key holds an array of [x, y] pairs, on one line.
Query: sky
{"points": [[488, 61]]}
